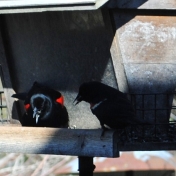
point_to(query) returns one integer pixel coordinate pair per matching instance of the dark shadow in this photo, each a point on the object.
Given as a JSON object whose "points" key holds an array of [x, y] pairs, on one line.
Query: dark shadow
{"points": [[125, 4], [61, 49], [137, 173]]}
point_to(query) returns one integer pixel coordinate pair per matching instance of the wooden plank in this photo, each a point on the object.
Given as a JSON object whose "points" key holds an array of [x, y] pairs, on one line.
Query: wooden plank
{"points": [[142, 4], [58, 141], [147, 50], [46, 9], [100, 3], [119, 66], [16, 3], [8, 6], [7, 84], [75, 142], [53, 5], [147, 39]]}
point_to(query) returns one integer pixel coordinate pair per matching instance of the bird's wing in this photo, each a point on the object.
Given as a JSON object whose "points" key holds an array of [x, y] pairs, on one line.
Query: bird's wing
{"points": [[115, 111]]}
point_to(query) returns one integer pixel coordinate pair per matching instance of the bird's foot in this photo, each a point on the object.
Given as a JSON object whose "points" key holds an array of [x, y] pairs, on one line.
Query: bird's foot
{"points": [[72, 127]]}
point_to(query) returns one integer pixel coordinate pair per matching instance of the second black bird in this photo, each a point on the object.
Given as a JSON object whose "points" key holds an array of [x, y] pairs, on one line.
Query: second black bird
{"points": [[110, 106]]}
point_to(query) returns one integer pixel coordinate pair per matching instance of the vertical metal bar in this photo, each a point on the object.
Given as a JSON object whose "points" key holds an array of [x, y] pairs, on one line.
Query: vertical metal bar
{"points": [[1, 101], [143, 127], [167, 104], [143, 106], [1, 116], [133, 101], [168, 109], [129, 173], [155, 113], [134, 97], [86, 166]]}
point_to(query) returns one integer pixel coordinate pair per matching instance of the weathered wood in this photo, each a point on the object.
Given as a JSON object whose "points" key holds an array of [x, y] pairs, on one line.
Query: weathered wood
{"points": [[16, 3], [46, 9], [54, 5], [100, 3], [6, 82], [119, 66], [142, 4], [75, 142], [147, 51], [58, 141], [147, 39]]}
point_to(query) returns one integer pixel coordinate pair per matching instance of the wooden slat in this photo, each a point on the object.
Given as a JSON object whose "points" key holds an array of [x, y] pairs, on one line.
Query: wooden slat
{"points": [[147, 39], [46, 9], [140, 4], [58, 141], [74, 142], [119, 66], [7, 84], [16, 3], [53, 5]]}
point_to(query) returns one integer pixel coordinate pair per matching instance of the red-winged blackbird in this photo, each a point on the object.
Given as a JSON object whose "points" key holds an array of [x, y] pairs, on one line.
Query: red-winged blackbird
{"points": [[44, 107], [110, 106]]}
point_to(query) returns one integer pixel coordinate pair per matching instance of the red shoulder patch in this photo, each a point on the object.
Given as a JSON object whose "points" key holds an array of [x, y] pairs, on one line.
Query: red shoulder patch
{"points": [[27, 106], [60, 100]]}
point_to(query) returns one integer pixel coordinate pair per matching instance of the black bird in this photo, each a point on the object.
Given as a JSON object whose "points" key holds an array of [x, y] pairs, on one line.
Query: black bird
{"points": [[110, 106], [44, 107]]}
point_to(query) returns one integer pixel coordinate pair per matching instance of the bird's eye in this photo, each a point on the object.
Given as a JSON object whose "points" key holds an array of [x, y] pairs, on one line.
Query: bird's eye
{"points": [[27, 106]]}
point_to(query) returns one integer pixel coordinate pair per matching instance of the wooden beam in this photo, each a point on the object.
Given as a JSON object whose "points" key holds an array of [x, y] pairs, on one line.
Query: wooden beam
{"points": [[27, 6], [46, 9], [73, 142], [16, 3]]}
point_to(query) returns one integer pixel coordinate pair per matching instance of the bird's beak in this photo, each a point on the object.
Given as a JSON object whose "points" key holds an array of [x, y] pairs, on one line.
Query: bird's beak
{"points": [[36, 114], [78, 99]]}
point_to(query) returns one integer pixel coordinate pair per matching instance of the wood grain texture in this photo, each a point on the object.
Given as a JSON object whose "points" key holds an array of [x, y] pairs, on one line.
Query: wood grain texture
{"points": [[6, 82], [58, 141], [147, 50], [46, 9], [15, 3], [119, 66], [53, 5], [148, 39]]}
